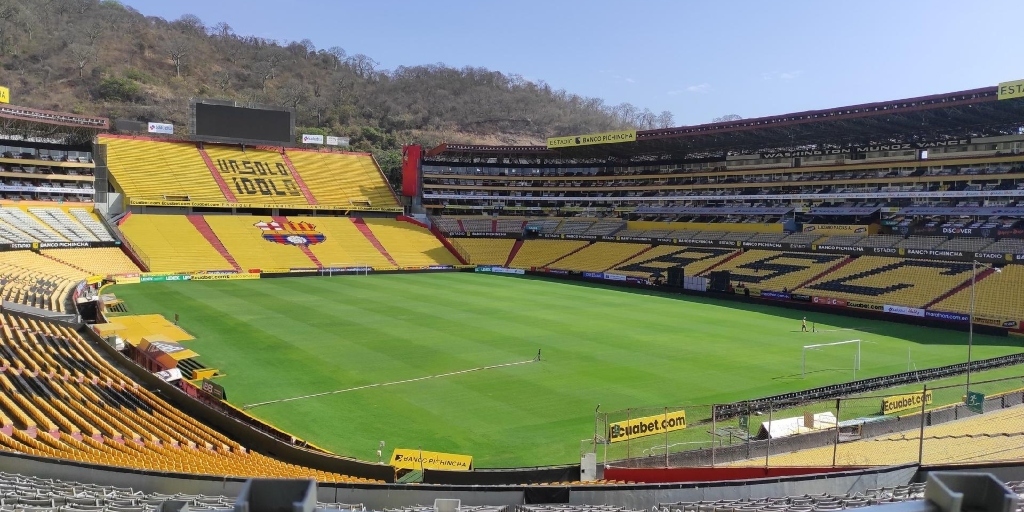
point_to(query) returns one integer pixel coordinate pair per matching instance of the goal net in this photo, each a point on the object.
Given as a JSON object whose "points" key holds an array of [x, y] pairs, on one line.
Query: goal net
{"points": [[345, 268], [838, 355]]}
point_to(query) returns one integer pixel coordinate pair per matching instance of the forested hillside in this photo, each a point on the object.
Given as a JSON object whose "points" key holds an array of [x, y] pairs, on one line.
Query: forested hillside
{"points": [[99, 57]]}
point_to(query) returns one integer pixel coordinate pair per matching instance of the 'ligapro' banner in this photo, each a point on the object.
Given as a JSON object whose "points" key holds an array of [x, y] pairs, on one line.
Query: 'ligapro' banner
{"points": [[411, 459], [646, 426], [891, 404], [591, 139]]}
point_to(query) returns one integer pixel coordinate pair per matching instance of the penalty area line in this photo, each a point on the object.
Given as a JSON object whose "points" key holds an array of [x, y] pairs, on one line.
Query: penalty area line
{"points": [[392, 383]]}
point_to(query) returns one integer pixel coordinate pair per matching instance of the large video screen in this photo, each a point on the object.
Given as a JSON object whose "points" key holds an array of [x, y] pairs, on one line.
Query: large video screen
{"points": [[225, 121]]}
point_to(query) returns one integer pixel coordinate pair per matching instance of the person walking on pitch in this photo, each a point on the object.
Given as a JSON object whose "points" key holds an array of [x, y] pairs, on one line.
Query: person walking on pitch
{"points": [[803, 325]]}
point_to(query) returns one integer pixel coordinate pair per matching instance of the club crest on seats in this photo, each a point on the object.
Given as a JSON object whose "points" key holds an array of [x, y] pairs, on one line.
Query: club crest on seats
{"points": [[290, 233]]}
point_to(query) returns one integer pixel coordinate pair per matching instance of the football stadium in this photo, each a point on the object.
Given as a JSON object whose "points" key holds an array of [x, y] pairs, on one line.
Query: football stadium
{"points": [[810, 311]]}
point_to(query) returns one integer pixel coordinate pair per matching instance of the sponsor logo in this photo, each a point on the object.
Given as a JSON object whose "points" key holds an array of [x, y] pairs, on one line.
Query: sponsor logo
{"points": [[615, 277], [775, 295], [947, 316], [903, 310], [766, 245], [1010, 233], [213, 389], [800, 297], [938, 254], [160, 278], [225, 277], [164, 128], [308, 138], [5, 95], [864, 305], [838, 248], [828, 301], [957, 231], [62, 245], [403, 458], [834, 228], [995, 322], [337, 141], [501, 270], [891, 404], [204, 204], [593, 275], [646, 426], [884, 250], [290, 233], [1010, 90], [595, 138], [990, 255]]}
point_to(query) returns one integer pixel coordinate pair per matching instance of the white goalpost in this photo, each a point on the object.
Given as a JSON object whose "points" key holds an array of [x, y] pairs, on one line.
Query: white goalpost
{"points": [[819, 346], [359, 269]]}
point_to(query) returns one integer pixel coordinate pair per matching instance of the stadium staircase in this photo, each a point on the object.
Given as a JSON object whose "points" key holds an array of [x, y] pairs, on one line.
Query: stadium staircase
{"points": [[833, 268], [304, 248], [298, 179], [720, 263], [512, 254], [224, 188], [564, 256], [204, 229], [365, 230], [966, 284], [58, 260], [441, 238]]}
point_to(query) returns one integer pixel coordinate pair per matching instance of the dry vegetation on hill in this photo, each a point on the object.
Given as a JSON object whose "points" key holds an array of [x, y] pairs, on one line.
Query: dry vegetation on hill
{"points": [[100, 57]]}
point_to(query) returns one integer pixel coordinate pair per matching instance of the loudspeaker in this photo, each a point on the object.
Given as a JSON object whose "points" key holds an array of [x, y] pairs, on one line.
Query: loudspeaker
{"points": [[720, 280], [675, 277]]}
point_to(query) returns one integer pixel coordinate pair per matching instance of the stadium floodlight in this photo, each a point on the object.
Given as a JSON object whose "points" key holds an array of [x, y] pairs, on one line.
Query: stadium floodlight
{"points": [[970, 324], [817, 346]]}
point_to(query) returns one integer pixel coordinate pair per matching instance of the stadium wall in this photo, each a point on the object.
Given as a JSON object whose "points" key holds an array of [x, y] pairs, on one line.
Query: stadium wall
{"points": [[680, 475], [381, 496]]}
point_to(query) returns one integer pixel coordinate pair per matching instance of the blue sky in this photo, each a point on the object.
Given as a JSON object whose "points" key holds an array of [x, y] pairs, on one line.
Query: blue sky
{"points": [[698, 60]]}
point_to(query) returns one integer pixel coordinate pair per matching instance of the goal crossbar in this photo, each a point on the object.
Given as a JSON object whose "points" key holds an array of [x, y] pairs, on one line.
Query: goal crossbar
{"points": [[816, 346]]}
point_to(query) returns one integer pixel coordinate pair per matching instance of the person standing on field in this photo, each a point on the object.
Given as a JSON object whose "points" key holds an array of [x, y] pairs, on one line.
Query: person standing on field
{"points": [[803, 325]]}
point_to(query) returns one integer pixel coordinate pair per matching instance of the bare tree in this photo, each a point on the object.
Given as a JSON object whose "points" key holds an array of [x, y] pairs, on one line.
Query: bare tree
{"points": [[339, 55], [222, 30], [665, 119], [81, 54], [294, 93], [92, 32], [178, 48], [308, 47], [363, 66], [263, 72], [726, 118], [191, 23], [222, 79], [319, 107]]}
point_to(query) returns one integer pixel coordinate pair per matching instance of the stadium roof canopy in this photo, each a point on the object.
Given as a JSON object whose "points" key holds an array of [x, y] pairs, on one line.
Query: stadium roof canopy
{"points": [[955, 115], [34, 124]]}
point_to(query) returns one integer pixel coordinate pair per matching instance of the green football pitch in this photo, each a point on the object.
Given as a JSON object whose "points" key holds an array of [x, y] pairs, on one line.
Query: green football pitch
{"points": [[277, 339]]}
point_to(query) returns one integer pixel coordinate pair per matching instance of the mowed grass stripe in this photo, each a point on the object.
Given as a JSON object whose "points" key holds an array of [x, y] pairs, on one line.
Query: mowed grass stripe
{"points": [[279, 338]]}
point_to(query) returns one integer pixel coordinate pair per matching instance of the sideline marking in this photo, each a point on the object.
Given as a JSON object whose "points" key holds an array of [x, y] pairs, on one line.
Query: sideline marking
{"points": [[382, 384]]}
